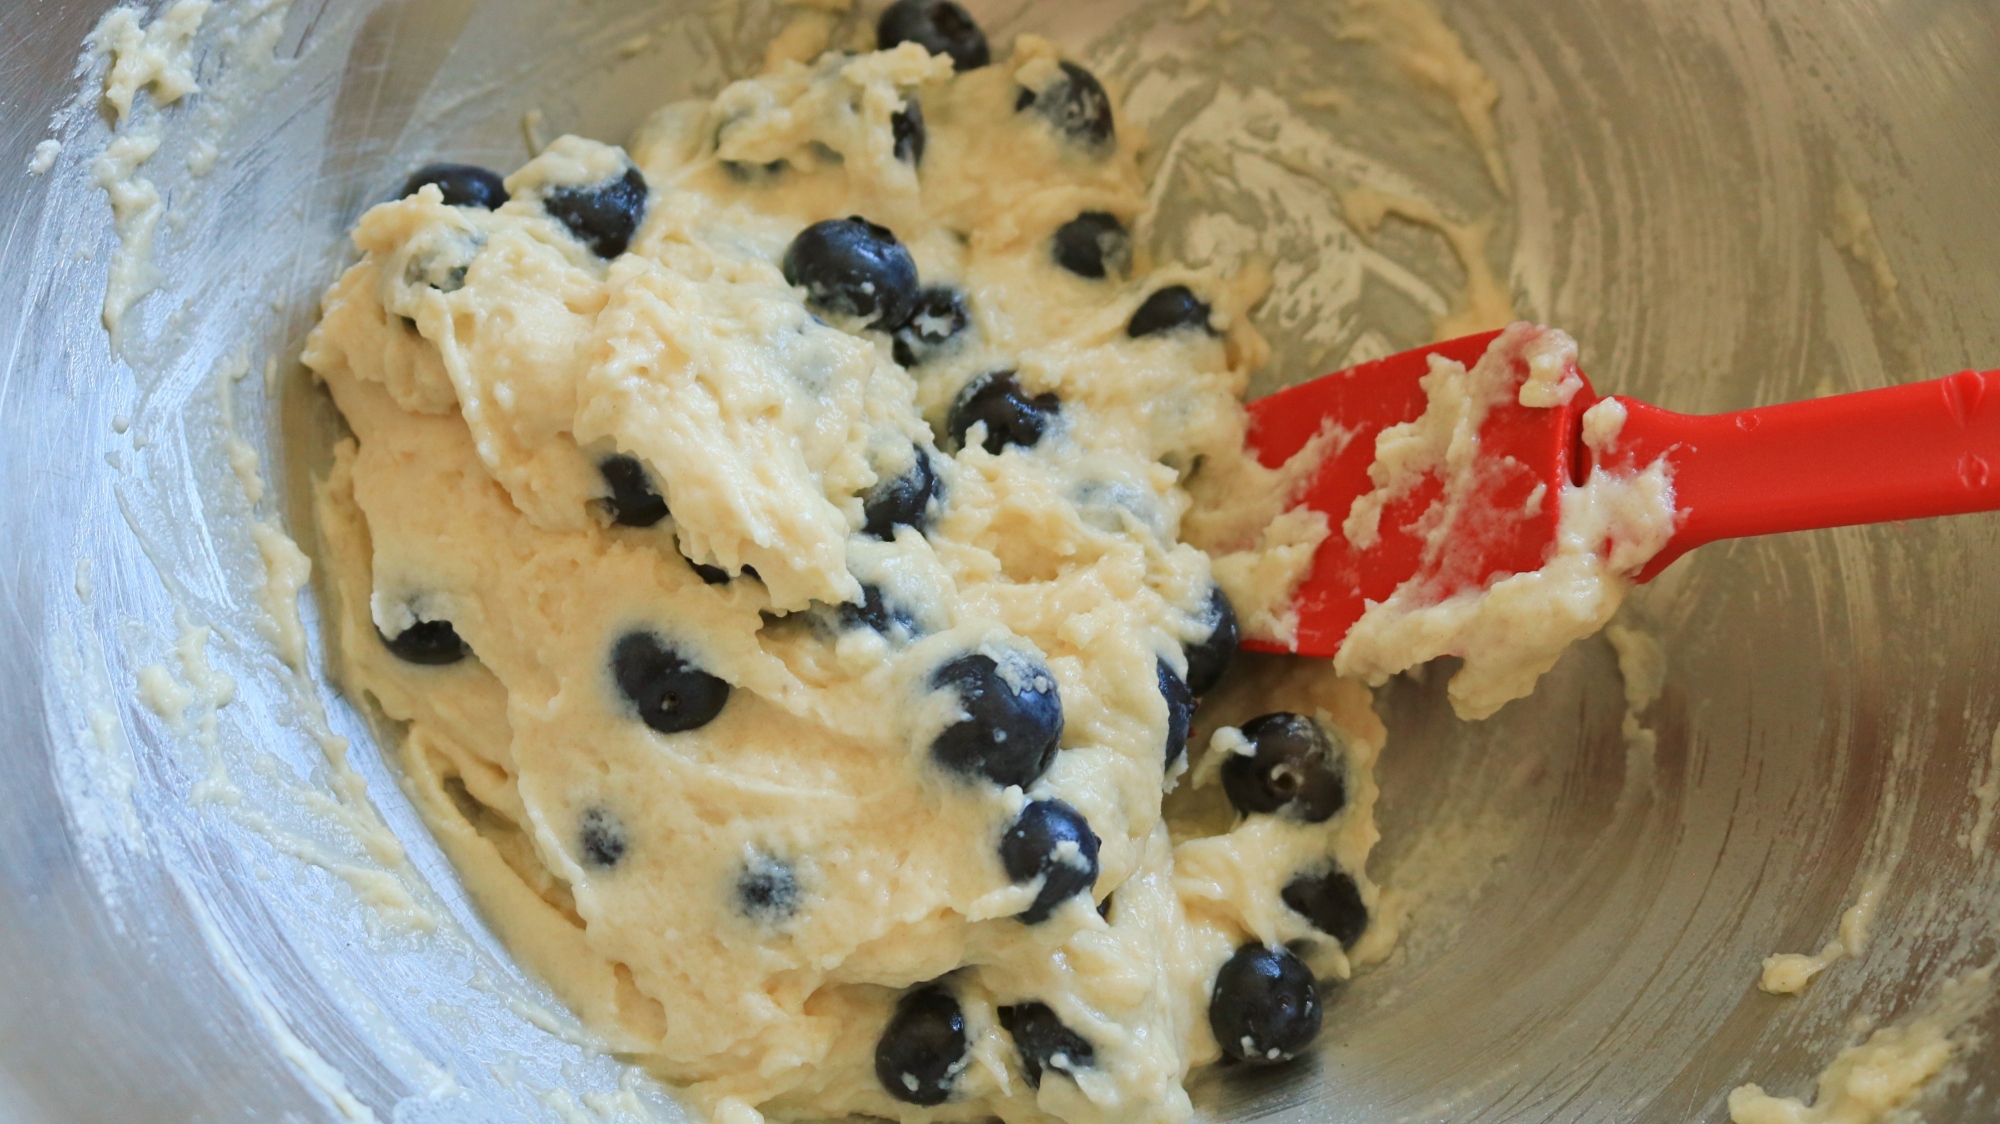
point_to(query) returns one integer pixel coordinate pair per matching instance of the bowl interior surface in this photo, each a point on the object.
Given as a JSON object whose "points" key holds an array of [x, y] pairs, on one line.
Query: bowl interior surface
{"points": [[1590, 923]]}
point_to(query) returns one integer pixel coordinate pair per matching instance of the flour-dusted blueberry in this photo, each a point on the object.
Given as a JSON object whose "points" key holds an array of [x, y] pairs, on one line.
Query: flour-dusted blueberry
{"points": [[907, 128], [633, 501], [938, 26], [1010, 719], [443, 267], [1331, 900], [431, 643], [1171, 308], [1051, 841], [870, 612], [1208, 659], [923, 1049], [1093, 244], [900, 501], [1180, 711], [767, 890], [1043, 1042], [601, 838], [670, 693], [1265, 1007], [935, 322], [1077, 106], [876, 612], [463, 185], [1010, 415], [603, 217], [1296, 772], [851, 267]]}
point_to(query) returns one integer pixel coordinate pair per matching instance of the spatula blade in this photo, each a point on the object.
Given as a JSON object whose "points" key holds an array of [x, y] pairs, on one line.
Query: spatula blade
{"points": [[1510, 530]]}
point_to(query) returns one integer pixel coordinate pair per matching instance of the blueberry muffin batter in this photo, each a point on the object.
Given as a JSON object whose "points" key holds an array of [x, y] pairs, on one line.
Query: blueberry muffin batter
{"points": [[788, 550]]}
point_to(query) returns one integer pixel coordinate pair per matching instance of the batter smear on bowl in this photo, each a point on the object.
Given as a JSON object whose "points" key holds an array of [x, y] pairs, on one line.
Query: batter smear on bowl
{"points": [[767, 541]]}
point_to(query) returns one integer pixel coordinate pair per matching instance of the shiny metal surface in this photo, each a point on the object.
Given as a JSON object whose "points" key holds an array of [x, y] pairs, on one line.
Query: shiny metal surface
{"points": [[1828, 710]]}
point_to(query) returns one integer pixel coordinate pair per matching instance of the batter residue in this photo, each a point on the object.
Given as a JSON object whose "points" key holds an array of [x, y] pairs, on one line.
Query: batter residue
{"points": [[1510, 631]]}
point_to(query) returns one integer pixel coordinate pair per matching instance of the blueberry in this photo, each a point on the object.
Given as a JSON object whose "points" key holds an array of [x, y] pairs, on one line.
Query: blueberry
{"points": [[716, 575], [907, 127], [1051, 841], [1207, 660], [633, 501], [432, 643], [767, 890], [1180, 711], [1093, 244], [903, 501], [922, 1050], [1173, 307], [1044, 1042], [876, 613], [602, 837], [603, 217], [938, 26], [1076, 105], [937, 318], [463, 185], [851, 267], [1265, 1006], [443, 271], [1296, 770], [671, 694], [1332, 902], [1007, 731], [1010, 416]]}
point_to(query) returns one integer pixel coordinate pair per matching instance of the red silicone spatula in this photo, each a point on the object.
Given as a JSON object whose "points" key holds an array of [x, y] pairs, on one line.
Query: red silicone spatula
{"points": [[1904, 452]]}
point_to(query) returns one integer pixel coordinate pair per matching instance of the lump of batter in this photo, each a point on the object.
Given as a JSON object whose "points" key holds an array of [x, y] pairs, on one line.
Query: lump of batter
{"points": [[1511, 630], [766, 543]]}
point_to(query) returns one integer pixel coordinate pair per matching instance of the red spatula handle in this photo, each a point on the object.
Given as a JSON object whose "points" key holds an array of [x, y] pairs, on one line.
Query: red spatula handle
{"points": [[1904, 452]]}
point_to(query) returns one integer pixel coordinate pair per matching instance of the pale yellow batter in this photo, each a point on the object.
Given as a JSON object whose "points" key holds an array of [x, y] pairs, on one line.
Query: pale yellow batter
{"points": [[741, 894]]}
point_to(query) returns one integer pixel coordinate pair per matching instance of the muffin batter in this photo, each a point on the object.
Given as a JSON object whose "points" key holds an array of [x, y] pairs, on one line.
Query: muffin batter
{"points": [[769, 543]]}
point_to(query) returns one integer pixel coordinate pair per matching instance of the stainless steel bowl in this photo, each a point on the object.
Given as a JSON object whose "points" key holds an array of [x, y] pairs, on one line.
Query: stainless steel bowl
{"points": [[1591, 940]]}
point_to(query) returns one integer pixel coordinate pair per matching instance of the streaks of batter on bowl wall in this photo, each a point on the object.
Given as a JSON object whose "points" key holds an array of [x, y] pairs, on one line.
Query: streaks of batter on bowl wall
{"points": [[145, 76], [1874, 1079], [1787, 973], [138, 57]]}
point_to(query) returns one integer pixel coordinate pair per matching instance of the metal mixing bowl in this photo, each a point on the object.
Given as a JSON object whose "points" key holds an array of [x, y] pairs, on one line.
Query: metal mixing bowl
{"points": [[1826, 718]]}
